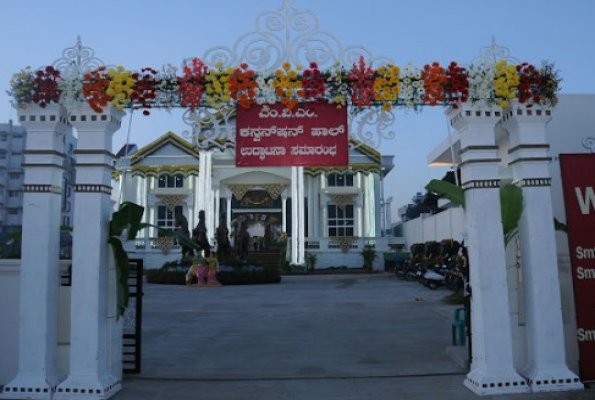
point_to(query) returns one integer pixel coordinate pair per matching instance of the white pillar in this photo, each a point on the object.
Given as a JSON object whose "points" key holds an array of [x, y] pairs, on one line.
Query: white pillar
{"points": [[228, 213], [294, 215], [301, 200], [204, 191], [492, 367], [95, 333], [39, 276], [284, 213], [546, 368]]}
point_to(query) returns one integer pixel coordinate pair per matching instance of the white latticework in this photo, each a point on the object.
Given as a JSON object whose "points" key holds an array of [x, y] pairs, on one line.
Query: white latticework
{"points": [[341, 200], [293, 35], [172, 200]]}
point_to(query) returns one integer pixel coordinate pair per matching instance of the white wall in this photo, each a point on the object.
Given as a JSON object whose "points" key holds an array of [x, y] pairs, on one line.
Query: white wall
{"points": [[9, 321], [449, 224]]}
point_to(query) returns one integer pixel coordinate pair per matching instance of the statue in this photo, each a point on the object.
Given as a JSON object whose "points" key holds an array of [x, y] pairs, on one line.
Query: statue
{"points": [[222, 237], [199, 233], [181, 223], [243, 240]]}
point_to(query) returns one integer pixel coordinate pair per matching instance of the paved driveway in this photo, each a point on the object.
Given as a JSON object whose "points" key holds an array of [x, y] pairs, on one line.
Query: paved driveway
{"points": [[309, 337]]}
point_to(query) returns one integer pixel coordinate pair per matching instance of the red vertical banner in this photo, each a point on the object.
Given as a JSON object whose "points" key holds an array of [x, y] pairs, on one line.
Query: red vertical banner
{"points": [[578, 181], [312, 134]]}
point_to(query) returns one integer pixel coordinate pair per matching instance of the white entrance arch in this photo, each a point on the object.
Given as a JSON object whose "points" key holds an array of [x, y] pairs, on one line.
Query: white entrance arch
{"points": [[291, 35]]}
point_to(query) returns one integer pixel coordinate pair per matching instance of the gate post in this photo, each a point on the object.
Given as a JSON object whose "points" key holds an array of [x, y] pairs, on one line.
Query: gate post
{"points": [[95, 333], [546, 368], [492, 367], [37, 374]]}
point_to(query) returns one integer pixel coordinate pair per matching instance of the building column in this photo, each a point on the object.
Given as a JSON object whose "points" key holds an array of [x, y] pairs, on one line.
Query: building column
{"points": [[39, 276], [204, 192], [492, 367], [284, 213], [546, 368], [95, 333], [297, 216]]}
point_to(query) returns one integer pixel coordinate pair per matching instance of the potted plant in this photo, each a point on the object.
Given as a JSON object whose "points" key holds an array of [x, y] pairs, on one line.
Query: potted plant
{"points": [[369, 255], [311, 259]]}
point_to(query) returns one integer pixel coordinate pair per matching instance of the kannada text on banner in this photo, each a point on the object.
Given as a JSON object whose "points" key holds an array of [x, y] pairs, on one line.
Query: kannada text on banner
{"points": [[579, 199], [314, 134]]}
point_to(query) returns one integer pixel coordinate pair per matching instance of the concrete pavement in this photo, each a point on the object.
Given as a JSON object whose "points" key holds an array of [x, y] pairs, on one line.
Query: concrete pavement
{"points": [[309, 337]]}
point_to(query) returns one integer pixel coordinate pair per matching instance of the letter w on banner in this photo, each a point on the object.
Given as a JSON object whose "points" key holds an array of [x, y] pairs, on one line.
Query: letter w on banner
{"points": [[578, 182], [312, 134]]}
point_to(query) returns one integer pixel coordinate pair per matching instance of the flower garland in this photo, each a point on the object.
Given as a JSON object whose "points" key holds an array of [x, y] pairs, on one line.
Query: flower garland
{"points": [[412, 87], [313, 83], [167, 87], [144, 92], [243, 87], [386, 86], [46, 84], [95, 87], [120, 87], [217, 87], [456, 89], [71, 90], [192, 84], [22, 88], [530, 81], [288, 86], [434, 77], [506, 81], [337, 86], [481, 84], [361, 86]]}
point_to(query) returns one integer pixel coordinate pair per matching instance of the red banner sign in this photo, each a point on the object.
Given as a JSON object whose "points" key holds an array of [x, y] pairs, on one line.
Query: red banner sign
{"points": [[313, 134], [579, 197]]}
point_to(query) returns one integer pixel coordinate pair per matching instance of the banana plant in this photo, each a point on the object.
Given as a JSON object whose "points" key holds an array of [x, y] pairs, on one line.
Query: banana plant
{"points": [[129, 217]]}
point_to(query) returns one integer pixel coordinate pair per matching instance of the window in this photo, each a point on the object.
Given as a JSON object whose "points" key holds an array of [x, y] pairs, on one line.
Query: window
{"points": [[3, 138], [340, 180], [171, 181], [13, 211], [15, 175], [166, 217], [340, 220], [13, 193]]}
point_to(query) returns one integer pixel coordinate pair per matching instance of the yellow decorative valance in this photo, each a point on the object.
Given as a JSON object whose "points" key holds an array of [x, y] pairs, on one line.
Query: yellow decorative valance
{"points": [[342, 199], [239, 190], [172, 200]]}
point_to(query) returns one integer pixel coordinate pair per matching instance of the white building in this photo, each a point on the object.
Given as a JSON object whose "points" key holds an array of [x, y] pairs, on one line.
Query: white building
{"points": [[12, 145], [342, 204]]}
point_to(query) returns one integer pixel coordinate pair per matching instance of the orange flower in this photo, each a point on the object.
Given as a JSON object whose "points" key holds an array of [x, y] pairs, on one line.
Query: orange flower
{"points": [[434, 78]]}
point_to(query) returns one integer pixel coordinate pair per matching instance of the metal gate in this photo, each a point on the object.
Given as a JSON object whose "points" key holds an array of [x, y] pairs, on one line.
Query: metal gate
{"points": [[132, 337]]}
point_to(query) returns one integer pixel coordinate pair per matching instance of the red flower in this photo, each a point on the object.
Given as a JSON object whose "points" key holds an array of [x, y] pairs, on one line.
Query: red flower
{"points": [[312, 82], [94, 86], [192, 84], [362, 86], [144, 90], [46, 86], [530, 84]]}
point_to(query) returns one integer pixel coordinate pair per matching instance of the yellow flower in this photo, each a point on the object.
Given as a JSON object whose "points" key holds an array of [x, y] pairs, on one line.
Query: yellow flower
{"points": [[387, 106], [286, 66], [218, 64]]}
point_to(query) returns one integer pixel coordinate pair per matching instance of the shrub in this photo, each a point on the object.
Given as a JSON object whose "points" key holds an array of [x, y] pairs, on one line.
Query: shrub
{"points": [[230, 273]]}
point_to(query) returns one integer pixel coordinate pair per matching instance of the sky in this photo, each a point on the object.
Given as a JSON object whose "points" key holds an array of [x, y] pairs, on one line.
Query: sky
{"points": [[152, 33]]}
